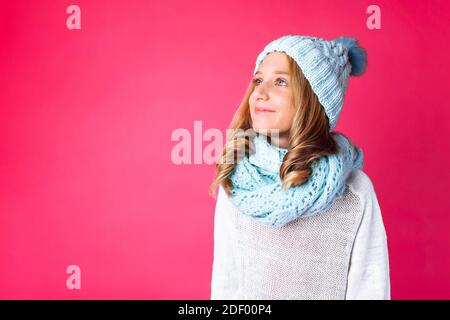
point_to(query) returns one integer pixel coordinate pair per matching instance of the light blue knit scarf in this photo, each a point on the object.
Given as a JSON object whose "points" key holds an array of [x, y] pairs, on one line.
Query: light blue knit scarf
{"points": [[257, 185]]}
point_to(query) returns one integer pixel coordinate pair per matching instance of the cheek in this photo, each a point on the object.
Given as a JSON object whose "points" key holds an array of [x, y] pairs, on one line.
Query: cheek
{"points": [[286, 116], [251, 99], [285, 105], [283, 100]]}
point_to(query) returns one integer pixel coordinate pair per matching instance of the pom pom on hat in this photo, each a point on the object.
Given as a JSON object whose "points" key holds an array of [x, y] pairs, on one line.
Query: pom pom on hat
{"points": [[357, 55]]}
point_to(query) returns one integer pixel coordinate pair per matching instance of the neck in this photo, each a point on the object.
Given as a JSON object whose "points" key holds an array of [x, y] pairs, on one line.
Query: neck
{"points": [[280, 140]]}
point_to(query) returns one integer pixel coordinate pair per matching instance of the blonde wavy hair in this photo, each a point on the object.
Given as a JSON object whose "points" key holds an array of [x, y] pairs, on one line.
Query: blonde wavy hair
{"points": [[309, 136]]}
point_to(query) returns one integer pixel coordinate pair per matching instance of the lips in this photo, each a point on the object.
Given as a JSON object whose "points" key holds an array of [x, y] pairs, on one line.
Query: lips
{"points": [[260, 109]]}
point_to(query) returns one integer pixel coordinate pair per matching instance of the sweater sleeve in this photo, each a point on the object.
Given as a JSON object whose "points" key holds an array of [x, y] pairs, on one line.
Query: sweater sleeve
{"points": [[223, 280], [368, 277]]}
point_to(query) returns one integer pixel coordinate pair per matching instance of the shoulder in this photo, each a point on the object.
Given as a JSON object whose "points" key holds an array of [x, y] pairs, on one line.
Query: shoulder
{"points": [[223, 202], [360, 187], [225, 212], [221, 194], [360, 184]]}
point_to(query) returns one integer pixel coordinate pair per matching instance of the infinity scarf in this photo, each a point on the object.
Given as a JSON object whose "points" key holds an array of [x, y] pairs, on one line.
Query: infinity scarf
{"points": [[257, 185]]}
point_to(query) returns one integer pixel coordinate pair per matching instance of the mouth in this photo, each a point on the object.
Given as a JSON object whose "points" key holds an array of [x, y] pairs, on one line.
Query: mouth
{"points": [[262, 110]]}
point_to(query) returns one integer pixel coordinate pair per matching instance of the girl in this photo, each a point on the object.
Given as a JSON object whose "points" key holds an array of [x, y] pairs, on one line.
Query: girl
{"points": [[296, 217]]}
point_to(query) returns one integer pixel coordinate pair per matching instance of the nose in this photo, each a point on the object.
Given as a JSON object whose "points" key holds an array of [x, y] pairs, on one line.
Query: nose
{"points": [[260, 92]]}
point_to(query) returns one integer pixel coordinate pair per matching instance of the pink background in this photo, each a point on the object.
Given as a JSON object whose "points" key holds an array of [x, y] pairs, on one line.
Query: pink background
{"points": [[86, 117]]}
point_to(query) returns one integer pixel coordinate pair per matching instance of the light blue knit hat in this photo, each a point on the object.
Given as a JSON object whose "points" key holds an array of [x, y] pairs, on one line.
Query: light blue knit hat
{"points": [[325, 64]]}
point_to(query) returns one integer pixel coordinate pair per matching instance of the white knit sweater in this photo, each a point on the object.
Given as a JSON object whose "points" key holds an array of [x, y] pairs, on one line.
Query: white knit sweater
{"points": [[341, 253]]}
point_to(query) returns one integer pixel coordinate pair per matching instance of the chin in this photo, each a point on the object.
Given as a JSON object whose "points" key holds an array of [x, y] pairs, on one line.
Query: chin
{"points": [[264, 129], [263, 124]]}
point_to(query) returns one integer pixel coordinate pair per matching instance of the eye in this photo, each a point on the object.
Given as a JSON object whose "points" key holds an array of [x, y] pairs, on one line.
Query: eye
{"points": [[281, 79], [255, 81]]}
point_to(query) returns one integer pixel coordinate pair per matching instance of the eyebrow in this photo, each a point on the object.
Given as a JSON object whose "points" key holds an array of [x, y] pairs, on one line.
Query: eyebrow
{"points": [[276, 72]]}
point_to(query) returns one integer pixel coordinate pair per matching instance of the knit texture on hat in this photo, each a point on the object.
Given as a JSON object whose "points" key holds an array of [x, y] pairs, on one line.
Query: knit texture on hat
{"points": [[327, 66]]}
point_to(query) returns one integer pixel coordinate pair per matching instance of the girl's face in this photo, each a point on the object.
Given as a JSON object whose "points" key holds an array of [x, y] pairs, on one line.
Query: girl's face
{"points": [[271, 105]]}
